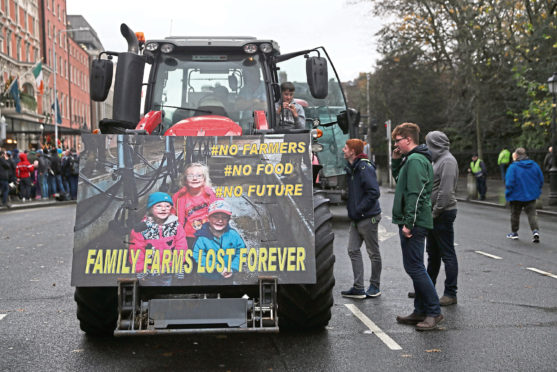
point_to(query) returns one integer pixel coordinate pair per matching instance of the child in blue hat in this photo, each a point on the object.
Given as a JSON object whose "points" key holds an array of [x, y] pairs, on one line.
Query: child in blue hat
{"points": [[216, 235], [158, 231]]}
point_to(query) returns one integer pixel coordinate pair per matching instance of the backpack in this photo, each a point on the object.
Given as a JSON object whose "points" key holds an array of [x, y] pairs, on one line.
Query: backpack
{"points": [[73, 164]]}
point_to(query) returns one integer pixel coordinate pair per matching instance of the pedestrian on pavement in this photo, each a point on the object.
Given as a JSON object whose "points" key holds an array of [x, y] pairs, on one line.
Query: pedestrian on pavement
{"points": [[5, 175], [56, 171], [479, 170], [440, 240], [548, 160], [364, 212], [73, 171], [413, 173], [43, 174], [23, 171], [523, 185], [503, 161]]}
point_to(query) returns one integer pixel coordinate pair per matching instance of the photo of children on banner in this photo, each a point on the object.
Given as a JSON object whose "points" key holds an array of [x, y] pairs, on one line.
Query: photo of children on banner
{"points": [[192, 201], [160, 231], [217, 235]]}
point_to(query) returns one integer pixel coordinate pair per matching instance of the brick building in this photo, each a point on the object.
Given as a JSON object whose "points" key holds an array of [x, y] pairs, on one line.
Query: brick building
{"points": [[33, 31], [20, 47], [71, 63]]}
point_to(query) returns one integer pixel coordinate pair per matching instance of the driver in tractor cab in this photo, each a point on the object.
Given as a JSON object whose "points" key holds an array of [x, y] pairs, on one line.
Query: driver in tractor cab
{"points": [[252, 95], [291, 114]]}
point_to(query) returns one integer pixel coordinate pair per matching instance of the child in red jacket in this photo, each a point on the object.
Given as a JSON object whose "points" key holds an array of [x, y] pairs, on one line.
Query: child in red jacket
{"points": [[23, 172], [159, 232]]}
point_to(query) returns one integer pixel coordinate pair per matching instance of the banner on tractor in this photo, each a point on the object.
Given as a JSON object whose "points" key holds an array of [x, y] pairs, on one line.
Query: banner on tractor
{"points": [[187, 211]]}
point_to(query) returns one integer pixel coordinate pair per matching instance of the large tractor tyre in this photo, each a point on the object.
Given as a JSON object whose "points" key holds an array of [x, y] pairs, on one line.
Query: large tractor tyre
{"points": [[97, 310], [308, 306]]}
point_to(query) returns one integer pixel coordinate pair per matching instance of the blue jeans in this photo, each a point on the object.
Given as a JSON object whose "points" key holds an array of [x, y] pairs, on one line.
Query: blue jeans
{"points": [[73, 186], [43, 180], [51, 184], [426, 300], [60, 185], [503, 169], [440, 246]]}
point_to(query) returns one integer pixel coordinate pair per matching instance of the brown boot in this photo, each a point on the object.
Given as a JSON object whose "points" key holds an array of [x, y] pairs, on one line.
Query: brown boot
{"points": [[447, 301], [411, 319], [429, 323]]}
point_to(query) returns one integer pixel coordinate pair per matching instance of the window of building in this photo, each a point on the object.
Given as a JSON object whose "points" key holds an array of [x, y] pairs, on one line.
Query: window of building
{"points": [[59, 16], [9, 44], [27, 54], [25, 21], [18, 48], [1, 44], [16, 9]]}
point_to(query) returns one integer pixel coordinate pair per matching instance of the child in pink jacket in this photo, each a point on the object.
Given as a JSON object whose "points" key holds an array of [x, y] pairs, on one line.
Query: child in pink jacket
{"points": [[159, 231], [192, 201]]}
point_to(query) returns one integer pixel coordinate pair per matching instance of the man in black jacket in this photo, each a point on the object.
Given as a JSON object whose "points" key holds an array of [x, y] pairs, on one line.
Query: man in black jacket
{"points": [[365, 213], [5, 176]]}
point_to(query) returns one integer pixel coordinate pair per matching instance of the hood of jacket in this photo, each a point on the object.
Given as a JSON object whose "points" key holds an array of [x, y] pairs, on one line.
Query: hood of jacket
{"points": [[526, 163], [438, 143], [23, 157], [206, 232], [420, 149]]}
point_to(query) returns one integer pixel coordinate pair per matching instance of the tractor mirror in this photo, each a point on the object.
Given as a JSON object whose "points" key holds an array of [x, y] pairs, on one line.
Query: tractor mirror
{"points": [[348, 119], [316, 71], [101, 79]]}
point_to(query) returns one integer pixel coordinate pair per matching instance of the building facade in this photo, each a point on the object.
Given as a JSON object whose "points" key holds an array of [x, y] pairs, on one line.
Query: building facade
{"points": [[20, 49], [33, 31]]}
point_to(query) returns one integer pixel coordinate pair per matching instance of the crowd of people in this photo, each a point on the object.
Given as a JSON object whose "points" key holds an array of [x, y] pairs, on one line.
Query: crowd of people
{"points": [[38, 174], [425, 209]]}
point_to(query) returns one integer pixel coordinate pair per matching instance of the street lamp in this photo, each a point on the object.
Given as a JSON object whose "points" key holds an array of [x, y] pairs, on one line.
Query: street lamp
{"points": [[54, 68], [552, 84]]}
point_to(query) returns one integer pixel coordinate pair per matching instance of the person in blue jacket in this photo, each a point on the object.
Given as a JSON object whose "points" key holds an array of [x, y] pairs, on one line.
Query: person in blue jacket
{"points": [[523, 185], [364, 213], [216, 235]]}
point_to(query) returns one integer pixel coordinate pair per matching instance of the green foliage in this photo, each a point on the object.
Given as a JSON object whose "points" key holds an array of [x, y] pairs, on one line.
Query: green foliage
{"points": [[474, 69]]}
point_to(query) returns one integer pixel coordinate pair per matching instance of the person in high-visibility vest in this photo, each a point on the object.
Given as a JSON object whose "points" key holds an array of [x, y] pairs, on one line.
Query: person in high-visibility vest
{"points": [[503, 162], [479, 170]]}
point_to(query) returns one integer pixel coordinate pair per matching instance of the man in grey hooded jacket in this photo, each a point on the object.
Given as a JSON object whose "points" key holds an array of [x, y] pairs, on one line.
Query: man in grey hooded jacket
{"points": [[440, 240]]}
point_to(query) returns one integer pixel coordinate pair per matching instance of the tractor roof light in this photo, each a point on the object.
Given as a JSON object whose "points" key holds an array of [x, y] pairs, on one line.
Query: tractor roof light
{"points": [[140, 37], [151, 47], [266, 48], [167, 48], [250, 48]]}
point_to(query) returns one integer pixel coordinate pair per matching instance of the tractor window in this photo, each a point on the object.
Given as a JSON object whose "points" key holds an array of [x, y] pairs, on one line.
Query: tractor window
{"points": [[326, 110], [209, 84]]}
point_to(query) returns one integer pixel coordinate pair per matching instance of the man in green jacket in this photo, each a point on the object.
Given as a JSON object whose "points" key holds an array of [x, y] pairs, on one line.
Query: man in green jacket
{"points": [[503, 161], [413, 173]]}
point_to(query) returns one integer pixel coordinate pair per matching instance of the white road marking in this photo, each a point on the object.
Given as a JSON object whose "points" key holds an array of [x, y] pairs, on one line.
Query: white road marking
{"points": [[384, 234], [489, 255], [542, 272], [373, 327], [2, 316]]}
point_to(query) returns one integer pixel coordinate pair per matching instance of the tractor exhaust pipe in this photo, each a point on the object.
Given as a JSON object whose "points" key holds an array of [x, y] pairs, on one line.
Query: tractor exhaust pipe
{"points": [[129, 35]]}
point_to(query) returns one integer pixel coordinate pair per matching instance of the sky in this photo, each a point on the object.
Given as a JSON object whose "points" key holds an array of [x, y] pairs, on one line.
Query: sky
{"points": [[345, 28]]}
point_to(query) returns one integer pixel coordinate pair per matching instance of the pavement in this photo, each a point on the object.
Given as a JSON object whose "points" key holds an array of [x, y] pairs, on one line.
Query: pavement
{"points": [[495, 197], [18, 205]]}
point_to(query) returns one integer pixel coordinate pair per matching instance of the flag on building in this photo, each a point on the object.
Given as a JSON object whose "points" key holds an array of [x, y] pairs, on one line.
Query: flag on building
{"points": [[14, 91], [38, 73], [58, 113]]}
